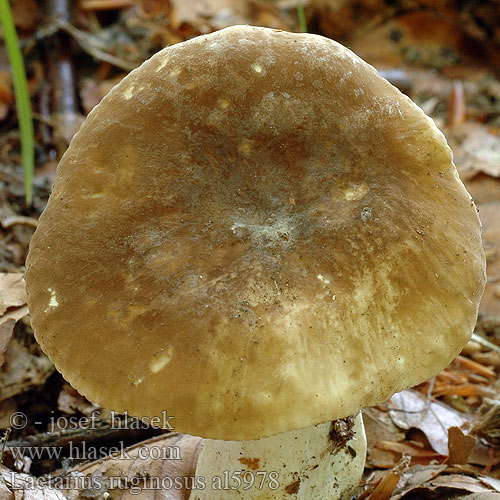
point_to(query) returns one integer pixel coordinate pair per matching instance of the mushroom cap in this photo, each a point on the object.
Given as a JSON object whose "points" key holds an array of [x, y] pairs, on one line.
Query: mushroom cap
{"points": [[253, 232]]}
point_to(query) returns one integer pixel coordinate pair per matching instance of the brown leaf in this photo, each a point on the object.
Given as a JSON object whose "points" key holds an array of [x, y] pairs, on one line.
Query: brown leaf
{"points": [[384, 489], [390, 480], [460, 446]]}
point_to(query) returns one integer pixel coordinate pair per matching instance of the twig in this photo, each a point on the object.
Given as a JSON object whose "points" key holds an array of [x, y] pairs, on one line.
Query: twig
{"points": [[486, 343], [457, 113], [105, 4], [429, 402], [4, 442], [18, 219], [90, 44], [61, 75], [477, 367]]}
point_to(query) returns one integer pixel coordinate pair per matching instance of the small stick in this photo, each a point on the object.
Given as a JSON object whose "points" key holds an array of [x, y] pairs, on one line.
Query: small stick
{"points": [[18, 219], [477, 367], [486, 343], [456, 115], [4, 443]]}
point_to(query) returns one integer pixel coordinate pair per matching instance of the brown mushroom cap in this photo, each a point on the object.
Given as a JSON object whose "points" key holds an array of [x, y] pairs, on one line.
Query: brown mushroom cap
{"points": [[255, 233]]}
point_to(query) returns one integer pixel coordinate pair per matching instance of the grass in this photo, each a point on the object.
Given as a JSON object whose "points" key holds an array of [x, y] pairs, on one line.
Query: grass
{"points": [[23, 103], [302, 17]]}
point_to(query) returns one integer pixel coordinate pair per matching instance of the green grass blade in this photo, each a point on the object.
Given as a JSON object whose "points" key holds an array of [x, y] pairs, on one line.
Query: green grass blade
{"points": [[23, 103], [302, 17]]}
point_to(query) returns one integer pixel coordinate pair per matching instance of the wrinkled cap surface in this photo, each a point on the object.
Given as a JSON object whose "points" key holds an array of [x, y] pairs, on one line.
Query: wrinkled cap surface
{"points": [[254, 232]]}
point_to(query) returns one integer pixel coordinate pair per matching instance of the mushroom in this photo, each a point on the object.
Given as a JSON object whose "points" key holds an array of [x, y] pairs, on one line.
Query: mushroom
{"points": [[257, 234]]}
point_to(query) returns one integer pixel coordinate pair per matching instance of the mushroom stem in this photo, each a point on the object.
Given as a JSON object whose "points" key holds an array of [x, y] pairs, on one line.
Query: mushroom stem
{"points": [[324, 462]]}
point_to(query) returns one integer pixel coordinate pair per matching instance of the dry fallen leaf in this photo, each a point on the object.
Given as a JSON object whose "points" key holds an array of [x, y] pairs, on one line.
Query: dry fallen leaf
{"points": [[201, 13], [6, 330], [489, 358], [489, 214], [6, 94], [412, 449], [459, 481], [445, 486], [7, 408], [476, 149], [460, 446], [411, 409], [26, 14], [92, 91], [5, 493], [16, 486], [22, 370], [380, 427], [415, 477], [12, 291], [70, 401], [139, 473], [12, 307], [385, 487], [480, 496], [491, 481], [483, 189], [105, 4]]}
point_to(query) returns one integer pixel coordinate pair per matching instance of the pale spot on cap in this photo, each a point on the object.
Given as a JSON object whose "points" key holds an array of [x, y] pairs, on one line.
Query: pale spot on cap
{"points": [[162, 359]]}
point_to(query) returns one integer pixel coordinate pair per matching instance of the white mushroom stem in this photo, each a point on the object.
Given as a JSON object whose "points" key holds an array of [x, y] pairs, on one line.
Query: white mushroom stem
{"points": [[324, 462]]}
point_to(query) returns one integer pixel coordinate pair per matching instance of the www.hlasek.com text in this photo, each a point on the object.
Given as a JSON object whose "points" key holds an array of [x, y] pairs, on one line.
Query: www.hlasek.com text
{"points": [[84, 452]]}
